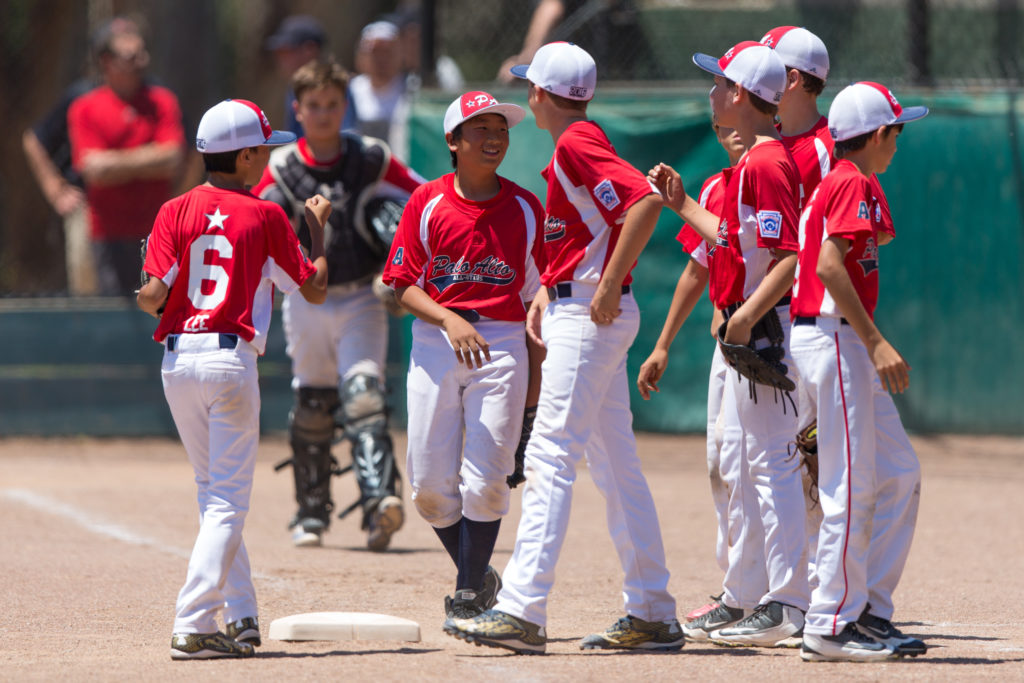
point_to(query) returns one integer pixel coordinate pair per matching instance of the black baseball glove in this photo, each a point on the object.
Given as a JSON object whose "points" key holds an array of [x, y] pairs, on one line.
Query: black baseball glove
{"points": [[517, 477], [761, 366]]}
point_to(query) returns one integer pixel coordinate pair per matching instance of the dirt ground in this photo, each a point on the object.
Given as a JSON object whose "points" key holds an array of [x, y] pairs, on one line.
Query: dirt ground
{"points": [[97, 534]]}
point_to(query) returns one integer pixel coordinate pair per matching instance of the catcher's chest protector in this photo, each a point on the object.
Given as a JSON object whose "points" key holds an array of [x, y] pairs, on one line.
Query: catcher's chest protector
{"points": [[348, 184]]}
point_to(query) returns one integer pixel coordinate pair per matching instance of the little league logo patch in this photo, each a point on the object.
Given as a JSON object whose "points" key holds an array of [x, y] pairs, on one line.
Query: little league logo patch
{"points": [[491, 270], [869, 259], [769, 224], [605, 194]]}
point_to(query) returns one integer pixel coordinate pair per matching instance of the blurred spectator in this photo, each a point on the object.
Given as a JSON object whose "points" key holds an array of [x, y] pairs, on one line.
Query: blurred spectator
{"points": [[48, 151], [608, 29], [449, 76], [379, 93], [127, 142], [298, 40]]}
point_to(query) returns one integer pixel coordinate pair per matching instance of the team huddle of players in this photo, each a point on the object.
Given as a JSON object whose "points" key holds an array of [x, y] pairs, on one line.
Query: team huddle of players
{"points": [[499, 284]]}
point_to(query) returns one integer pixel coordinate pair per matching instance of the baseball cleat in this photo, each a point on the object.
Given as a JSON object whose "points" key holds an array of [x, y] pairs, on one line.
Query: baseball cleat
{"points": [[851, 645], [464, 605], [207, 646], [497, 629], [698, 612], [488, 595], [884, 632], [772, 624], [245, 631], [723, 616], [385, 520], [308, 532], [631, 633]]}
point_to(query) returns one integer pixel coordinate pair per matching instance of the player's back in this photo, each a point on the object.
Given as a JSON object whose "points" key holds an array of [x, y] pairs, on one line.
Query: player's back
{"points": [[226, 246]]}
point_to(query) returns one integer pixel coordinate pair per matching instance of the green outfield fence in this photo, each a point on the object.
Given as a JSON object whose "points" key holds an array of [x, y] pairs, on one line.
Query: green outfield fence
{"points": [[952, 282]]}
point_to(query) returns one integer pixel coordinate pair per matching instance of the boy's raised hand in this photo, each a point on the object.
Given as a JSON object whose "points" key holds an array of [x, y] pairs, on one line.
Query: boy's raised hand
{"points": [[669, 184]]}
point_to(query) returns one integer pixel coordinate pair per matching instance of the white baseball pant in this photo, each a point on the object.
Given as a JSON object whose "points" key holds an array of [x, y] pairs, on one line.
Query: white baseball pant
{"points": [[869, 478], [345, 336], [767, 427], [584, 411], [715, 435], [214, 397], [464, 423]]}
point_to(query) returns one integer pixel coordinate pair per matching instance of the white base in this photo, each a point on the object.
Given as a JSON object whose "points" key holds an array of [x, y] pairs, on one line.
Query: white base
{"points": [[344, 626]]}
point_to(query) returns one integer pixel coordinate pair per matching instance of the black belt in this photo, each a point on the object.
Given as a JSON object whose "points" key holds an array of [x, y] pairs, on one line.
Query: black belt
{"points": [[732, 308], [811, 320], [563, 290], [227, 341]]}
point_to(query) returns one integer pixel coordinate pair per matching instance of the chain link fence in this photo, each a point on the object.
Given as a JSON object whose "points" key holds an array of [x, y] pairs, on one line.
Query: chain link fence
{"points": [[205, 50]]}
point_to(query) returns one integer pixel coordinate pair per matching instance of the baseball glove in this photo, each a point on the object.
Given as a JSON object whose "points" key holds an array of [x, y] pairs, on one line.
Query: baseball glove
{"points": [[517, 477], [807, 446], [761, 366], [143, 275]]}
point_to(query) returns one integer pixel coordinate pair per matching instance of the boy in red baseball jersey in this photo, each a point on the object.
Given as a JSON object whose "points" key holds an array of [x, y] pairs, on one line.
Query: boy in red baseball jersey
{"points": [[755, 244], [868, 474], [732, 538], [214, 257], [600, 213], [464, 262]]}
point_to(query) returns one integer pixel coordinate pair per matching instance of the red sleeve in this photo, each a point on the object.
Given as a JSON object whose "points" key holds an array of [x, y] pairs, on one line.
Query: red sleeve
{"points": [[848, 210], [712, 196], [161, 255], [401, 176], [266, 180], [538, 239], [84, 137], [408, 256], [168, 124], [689, 238], [774, 191], [283, 246], [612, 183]]}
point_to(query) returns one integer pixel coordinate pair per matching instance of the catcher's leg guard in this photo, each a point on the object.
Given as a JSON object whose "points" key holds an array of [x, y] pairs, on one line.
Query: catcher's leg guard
{"points": [[311, 429], [364, 415]]}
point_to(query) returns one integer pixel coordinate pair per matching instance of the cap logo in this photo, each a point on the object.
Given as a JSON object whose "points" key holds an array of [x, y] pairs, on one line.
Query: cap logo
{"points": [[480, 99], [577, 91], [768, 40], [728, 54], [201, 144]]}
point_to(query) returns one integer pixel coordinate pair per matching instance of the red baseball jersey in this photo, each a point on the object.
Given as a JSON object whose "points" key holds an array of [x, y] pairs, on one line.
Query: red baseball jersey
{"points": [[589, 191], [760, 215], [466, 255], [712, 198], [812, 152], [101, 121], [844, 205], [221, 252]]}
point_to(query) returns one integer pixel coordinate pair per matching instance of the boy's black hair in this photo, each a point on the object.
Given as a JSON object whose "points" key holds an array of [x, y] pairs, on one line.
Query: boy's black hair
{"points": [[760, 104], [222, 162], [456, 135], [844, 147]]}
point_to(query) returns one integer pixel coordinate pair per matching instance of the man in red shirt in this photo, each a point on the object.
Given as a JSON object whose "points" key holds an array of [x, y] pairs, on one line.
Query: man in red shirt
{"points": [[868, 475], [215, 255], [128, 144]]}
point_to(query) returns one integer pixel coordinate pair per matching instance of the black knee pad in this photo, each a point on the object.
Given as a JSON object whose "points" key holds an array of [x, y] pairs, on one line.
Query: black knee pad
{"points": [[311, 426]]}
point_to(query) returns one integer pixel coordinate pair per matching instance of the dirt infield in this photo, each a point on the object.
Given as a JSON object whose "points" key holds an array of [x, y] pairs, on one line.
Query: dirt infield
{"points": [[96, 536]]}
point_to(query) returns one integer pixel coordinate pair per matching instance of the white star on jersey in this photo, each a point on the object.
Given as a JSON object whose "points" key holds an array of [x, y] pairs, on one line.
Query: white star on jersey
{"points": [[216, 219]]}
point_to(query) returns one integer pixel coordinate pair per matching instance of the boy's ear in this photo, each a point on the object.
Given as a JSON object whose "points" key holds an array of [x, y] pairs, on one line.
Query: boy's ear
{"points": [[792, 79], [450, 140]]}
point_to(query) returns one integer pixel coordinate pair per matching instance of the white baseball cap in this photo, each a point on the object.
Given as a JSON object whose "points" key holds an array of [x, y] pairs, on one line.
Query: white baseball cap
{"points": [[863, 107], [799, 49], [565, 69], [754, 66], [378, 30], [237, 124], [476, 103]]}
